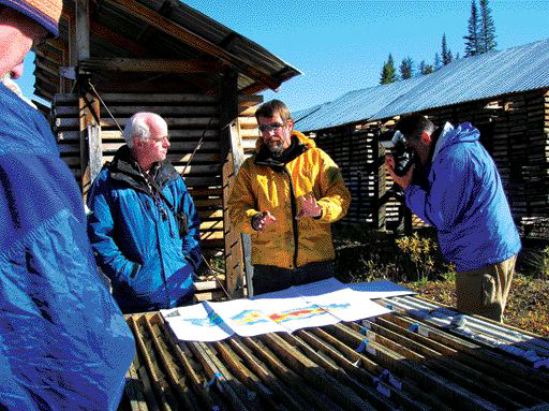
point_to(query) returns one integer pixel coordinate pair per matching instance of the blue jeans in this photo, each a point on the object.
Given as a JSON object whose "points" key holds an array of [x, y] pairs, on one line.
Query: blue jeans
{"points": [[268, 278]]}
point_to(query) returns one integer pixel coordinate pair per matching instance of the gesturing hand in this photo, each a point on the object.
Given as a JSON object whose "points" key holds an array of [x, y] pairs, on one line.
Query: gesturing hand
{"points": [[308, 207], [261, 220]]}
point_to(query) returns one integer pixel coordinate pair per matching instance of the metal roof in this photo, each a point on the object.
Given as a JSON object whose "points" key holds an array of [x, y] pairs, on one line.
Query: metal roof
{"points": [[353, 106], [480, 77]]}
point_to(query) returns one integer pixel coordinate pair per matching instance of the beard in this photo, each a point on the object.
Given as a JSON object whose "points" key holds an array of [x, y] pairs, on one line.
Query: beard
{"points": [[276, 148]]}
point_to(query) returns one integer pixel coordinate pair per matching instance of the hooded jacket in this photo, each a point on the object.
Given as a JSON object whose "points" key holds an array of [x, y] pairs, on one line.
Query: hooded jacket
{"points": [[134, 234], [464, 200], [267, 184], [64, 344]]}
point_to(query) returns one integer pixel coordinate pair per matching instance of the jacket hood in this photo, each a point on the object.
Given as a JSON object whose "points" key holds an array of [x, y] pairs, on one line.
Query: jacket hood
{"points": [[463, 133]]}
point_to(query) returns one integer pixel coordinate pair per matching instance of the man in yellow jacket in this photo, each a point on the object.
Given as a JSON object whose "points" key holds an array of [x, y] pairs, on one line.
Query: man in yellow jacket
{"points": [[286, 196]]}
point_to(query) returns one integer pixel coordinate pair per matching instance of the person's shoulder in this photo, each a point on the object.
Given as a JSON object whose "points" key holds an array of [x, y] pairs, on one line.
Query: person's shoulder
{"points": [[104, 175], [249, 162]]}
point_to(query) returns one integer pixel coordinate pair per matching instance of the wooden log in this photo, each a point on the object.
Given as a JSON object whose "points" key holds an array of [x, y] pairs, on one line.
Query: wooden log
{"points": [[140, 98], [150, 65]]}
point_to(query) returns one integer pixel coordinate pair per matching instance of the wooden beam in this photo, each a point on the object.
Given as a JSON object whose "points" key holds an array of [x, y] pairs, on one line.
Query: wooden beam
{"points": [[234, 263], [180, 33], [150, 65], [82, 29], [253, 88], [90, 139], [107, 35]]}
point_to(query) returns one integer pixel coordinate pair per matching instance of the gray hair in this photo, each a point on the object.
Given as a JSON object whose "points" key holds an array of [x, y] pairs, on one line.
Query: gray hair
{"points": [[137, 127]]}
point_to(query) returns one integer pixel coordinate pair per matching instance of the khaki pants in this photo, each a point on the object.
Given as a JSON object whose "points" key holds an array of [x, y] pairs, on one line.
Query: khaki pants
{"points": [[485, 291]]}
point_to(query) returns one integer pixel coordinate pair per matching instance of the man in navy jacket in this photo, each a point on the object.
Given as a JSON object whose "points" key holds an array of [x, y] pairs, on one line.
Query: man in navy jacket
{"points": [[144, 227], [64, 344], [460, 194]]}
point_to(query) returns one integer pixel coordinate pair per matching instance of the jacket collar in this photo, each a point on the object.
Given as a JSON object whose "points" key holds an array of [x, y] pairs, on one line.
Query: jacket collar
{"points": [[124, 168], [299, 145]]}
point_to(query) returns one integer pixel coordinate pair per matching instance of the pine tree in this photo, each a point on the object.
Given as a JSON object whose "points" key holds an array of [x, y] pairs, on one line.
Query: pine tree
{"points": [[446, 53], [406, 68], [437, 63], [487, 37], [388, 73], [425, 68], [472, 37]]}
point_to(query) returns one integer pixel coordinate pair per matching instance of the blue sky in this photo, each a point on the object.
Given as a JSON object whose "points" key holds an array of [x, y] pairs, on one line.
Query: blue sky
{"points": [[340, 45]]}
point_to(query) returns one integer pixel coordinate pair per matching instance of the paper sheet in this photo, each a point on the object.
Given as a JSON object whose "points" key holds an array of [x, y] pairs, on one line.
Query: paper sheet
{"points": [[310, 305]]}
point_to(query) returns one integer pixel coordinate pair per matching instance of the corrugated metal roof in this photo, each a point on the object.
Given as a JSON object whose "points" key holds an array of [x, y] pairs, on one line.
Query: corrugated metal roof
{"points": [[353, 106], [475, 78]]}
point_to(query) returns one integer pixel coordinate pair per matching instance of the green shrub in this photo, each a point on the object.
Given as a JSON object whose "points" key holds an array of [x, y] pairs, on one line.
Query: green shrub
{"points": [[364, 254]]}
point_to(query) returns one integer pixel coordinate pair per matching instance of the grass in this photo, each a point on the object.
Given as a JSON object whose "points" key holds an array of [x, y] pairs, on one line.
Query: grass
{"points": [[527, 307], [415, 262]]}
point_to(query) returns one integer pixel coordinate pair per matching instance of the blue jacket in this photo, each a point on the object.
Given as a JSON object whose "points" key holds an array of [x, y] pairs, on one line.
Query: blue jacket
{"points": [[464, 200], [63, 341], [135, 236]]}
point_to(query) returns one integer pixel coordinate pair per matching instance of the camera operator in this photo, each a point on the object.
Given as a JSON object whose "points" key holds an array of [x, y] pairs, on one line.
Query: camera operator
{"points": [[457, 189]]}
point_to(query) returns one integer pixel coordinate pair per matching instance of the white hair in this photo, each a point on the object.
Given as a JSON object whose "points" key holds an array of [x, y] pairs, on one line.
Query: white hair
{"points": [[138, 126]]}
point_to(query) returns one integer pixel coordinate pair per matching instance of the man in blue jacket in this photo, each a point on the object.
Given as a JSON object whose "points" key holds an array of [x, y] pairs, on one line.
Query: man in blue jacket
{"points": [[64, 344], [457, 189], [144, 227]]}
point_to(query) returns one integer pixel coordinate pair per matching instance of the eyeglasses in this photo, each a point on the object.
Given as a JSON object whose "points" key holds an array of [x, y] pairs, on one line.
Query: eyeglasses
{"points": [[267, 128]]}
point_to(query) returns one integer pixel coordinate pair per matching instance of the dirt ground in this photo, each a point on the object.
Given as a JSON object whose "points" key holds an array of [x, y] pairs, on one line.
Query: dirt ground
{"points": [[527, 309]]}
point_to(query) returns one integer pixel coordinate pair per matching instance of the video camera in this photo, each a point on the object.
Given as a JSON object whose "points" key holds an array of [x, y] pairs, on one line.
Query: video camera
{"points": [[404, 157]]}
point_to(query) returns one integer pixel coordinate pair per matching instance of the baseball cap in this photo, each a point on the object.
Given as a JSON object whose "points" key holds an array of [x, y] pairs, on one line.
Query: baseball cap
{"points": [[44, 12]]}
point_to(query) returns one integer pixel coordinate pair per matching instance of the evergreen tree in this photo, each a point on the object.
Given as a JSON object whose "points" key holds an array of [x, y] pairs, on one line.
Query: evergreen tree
{"points": [[425, 68], [437, 62], [388, 73], [446, 53], [472, 37], [487, 37], [406, 68], [457, 57]]}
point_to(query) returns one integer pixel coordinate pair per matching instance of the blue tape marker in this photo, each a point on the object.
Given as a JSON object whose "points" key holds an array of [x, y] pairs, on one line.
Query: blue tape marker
{"points": [[213, 380], [414, 327], [363, 345], [390, 379], [389, 306]]}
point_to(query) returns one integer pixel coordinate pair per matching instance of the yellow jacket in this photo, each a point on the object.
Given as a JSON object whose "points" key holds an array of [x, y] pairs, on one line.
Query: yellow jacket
{"points": [[263, 184]]}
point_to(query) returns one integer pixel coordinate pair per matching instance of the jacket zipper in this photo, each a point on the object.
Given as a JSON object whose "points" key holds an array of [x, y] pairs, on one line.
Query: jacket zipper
{"points": [[162, 271], [294, 215], [157, 224]]}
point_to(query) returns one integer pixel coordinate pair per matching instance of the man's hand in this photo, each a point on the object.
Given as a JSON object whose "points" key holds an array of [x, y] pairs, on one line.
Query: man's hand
{"points": [[261, 220], [403, 181], [308, 207]]}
